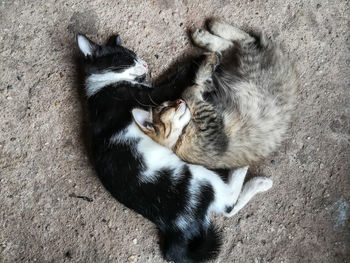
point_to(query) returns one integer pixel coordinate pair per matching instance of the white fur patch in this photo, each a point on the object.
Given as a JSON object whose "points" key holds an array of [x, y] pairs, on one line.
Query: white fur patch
{"points": [[182, 221], [155, 156], [95, 82], [221, 190]]}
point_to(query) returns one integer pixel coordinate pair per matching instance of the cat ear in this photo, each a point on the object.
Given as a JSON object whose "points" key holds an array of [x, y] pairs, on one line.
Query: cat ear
{"points": [[86, 46], [143, 119], [118, 41]]}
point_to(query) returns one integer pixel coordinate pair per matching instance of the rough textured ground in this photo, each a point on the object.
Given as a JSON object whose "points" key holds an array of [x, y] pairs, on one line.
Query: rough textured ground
{"points": [[43, 158]]}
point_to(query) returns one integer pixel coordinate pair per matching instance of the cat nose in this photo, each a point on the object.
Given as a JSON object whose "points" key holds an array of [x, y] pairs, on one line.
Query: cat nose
{"points": [[179, 101], [145, 65]]}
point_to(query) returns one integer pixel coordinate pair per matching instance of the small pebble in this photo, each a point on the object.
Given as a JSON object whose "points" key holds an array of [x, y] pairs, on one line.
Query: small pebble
{"points": [[132, 258], [19, 78], [156, 56], [9, 87], [134, 241], [9, 97], [273, 162]]}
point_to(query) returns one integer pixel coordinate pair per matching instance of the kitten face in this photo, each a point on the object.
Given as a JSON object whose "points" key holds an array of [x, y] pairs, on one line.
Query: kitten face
{"points": [[165, 123], [106, 65]]}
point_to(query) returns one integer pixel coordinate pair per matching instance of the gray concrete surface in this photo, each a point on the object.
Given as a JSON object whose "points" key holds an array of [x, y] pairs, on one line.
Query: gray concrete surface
{"points": [[44, 163]]}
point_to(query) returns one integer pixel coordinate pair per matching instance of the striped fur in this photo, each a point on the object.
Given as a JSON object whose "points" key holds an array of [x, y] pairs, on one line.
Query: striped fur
{"points": [[241, 110]]}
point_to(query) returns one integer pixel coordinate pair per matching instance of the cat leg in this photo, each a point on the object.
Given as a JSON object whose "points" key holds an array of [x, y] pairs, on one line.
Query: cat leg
{"points": [[235, 184], [203, 80], [206, 70], [204, 39], [236, 181], [228, 32], [250, 189]]}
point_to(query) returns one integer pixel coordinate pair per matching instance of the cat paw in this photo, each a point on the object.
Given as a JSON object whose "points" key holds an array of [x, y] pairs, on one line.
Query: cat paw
{"points": [[201, 38], [261, 184], [204, 39], [213, 60]]}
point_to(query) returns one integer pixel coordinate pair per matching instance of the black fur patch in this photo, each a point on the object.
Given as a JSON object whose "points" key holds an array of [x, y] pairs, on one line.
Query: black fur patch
{"points": [[119, 167]]}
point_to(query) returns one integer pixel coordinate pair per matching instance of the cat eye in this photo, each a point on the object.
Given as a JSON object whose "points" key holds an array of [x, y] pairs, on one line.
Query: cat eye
{"points": [[164, 109]]}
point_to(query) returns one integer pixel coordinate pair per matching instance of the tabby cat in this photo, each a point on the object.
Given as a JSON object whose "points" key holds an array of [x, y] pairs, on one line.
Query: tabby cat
{"points": [[145, 176], [241, 101]]}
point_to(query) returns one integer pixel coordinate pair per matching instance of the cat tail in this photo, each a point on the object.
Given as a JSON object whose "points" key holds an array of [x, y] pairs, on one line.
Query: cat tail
{"points": [[206, 245], [202, 247]]}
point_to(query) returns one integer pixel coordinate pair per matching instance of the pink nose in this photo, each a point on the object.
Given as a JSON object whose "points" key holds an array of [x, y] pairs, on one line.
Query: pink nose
{"points": [[179, 101], [145, 65]]}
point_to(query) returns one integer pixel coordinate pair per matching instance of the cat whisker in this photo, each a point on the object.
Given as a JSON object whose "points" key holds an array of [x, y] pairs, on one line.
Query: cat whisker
{"points": [[118, 67], [143, 103], [156, 104]]}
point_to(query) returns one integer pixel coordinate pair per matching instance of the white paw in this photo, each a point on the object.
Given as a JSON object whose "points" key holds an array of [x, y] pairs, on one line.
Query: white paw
{"points": [[262, 184], [201, 37]]}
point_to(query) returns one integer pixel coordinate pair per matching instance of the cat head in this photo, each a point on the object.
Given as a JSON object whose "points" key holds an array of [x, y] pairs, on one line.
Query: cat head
{"points": [[165, 123], [112, 63]]}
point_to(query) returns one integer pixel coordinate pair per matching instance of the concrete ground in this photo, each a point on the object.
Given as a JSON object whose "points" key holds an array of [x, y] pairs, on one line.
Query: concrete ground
{"points": [[44, 165]]}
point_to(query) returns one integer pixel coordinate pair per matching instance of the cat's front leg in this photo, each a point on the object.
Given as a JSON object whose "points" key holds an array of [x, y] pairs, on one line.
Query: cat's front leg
{"points": [[206, 70], [204, 39], [203, 80], [250, 189]]}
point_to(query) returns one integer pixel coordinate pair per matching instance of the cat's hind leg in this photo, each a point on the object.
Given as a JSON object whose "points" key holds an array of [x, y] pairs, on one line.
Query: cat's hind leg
{"points": [[236, 181], [228, 32], [250, 189], [228, 193], [204, 39]]}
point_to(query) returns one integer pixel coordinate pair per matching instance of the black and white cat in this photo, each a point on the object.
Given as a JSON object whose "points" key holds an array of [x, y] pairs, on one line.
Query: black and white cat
{"points": [[145, 176]]}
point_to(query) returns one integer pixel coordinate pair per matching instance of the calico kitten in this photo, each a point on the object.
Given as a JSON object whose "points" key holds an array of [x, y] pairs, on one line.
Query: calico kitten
{"points": [[241, 107], [145, 176]]}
